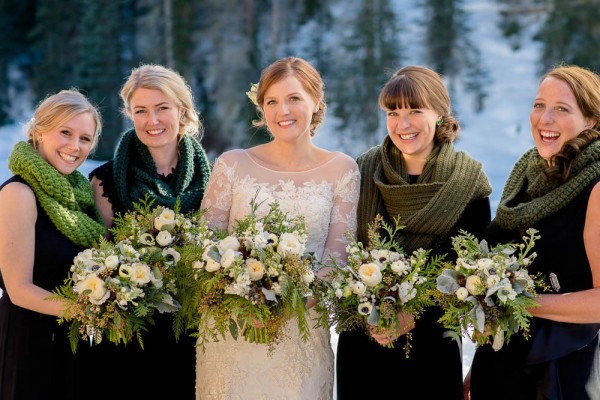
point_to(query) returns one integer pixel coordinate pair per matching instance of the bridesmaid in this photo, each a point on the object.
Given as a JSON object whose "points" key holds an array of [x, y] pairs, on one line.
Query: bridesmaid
{"points": [[418, 176]]}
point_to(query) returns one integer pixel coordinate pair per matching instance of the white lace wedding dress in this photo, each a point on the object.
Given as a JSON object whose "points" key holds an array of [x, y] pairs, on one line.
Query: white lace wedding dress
{"points": [[327, 196]]}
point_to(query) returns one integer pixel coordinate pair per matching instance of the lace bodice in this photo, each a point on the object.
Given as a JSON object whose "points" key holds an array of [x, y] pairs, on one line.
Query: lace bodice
{"points": [[326, 196]]}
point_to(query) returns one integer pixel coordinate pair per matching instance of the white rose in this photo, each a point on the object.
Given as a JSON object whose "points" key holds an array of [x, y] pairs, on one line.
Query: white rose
{"points": [[400, 267], [230, 242], [96, 287], [462, 293], [370, 274], [111, 262], [255, 268], [358, 288], [166, 217], [289, 244], [211, 264], [164, 238], [140, 273], [473, 285], [228, 258]]}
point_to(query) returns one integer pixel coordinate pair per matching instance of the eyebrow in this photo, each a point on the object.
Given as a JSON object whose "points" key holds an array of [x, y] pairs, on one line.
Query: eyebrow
{"points": [[156, 105], [289, 94]]}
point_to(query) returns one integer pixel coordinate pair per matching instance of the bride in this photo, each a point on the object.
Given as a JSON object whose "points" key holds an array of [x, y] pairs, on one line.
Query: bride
{"points": [[306, 180]]}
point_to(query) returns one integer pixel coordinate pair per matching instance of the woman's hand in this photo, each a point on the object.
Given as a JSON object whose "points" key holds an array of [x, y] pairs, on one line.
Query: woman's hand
{"points": [[387, 336]]}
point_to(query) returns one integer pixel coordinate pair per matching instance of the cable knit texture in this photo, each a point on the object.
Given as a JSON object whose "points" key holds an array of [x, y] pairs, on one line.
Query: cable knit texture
{"points": [[547, 197], [428, 208], [135, 175], [67, 199]]}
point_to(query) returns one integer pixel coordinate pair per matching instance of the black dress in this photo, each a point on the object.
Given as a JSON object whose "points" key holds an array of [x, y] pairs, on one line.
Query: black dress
{"points": [[560, 360], [36, 361], [434, 367], [164, 369]]}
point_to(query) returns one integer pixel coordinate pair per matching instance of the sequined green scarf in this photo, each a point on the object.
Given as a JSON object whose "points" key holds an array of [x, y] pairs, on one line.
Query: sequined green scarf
{"points": [[547, 198], [67, 199], [134, 173]]}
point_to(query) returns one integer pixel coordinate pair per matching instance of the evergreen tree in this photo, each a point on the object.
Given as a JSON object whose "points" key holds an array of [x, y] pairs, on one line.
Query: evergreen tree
{"points": [[571, 34], [54, 44], [366, 55], [16, 19], [450, 50], [99, 70]]}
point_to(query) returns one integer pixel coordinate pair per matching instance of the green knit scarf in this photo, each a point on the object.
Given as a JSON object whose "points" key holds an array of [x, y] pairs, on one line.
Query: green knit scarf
{"points": [[428, 208], [67, 199], [547, 197], [135, 175]]}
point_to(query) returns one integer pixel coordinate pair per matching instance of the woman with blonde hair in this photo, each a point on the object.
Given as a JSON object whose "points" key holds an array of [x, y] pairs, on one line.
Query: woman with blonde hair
{"points": [[47, 216], [161, 156]]}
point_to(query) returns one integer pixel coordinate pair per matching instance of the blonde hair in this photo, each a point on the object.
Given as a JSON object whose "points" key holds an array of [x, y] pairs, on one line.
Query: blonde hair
{"points": [[309, 78], [421, 87], [172, 85], [56, 109]]}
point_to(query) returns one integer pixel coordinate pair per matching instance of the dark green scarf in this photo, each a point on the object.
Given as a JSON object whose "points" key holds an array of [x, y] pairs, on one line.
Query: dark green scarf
{"points": [[135, 175], [428, 208], [65, 198], [547, 197]]}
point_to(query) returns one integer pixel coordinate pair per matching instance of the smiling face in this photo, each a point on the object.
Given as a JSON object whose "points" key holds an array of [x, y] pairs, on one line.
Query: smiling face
{"points": [[288, 109], [67, 146], [555, 118], [155, 118], [412, 130]]}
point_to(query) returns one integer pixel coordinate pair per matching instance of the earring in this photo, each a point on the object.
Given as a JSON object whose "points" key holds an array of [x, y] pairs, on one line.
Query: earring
{"points": [[440, 121]]}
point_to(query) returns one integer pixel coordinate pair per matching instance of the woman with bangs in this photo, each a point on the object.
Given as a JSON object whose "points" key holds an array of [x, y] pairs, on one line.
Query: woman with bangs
{"points": [[415, 175]]}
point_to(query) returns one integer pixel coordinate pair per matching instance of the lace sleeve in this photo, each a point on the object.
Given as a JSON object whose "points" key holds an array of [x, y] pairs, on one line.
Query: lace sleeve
{"points": [[218, 194], [343, 214]]}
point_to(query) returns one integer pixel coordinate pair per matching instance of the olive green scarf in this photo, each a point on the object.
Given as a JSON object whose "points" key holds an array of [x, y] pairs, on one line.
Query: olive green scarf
{"points": [[547, 197], [67, 199], [135, 175], [428, 208]]}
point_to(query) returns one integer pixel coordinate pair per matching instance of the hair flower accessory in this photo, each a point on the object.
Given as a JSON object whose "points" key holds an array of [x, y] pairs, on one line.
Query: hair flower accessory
{"points": [[252, 93]]}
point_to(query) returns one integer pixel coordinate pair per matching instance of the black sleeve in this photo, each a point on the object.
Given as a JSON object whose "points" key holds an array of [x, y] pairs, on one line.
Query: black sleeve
{"points": [[104, 173]]}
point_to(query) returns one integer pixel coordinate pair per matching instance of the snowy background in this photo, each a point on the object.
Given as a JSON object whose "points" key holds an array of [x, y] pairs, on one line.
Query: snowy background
{"points": [[497, 136]]}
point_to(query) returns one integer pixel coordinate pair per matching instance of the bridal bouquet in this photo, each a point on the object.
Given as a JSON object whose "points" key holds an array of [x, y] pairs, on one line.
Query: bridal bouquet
{"points": [[378, 281], [251, 281], [115, 287], [489, 289]]}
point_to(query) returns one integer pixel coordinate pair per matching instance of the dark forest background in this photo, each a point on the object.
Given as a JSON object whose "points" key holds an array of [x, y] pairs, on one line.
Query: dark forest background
{"points": [[220, 47]]}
